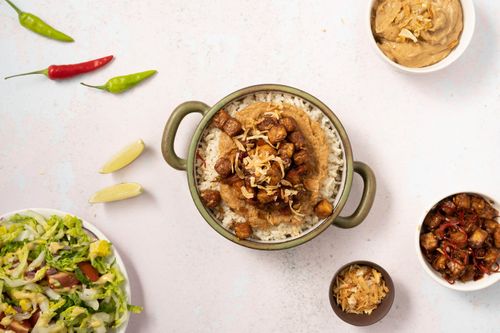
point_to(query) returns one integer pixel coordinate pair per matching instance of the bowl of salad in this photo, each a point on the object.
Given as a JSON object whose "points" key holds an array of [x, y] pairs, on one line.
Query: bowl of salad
{"points": [[59, 273]]}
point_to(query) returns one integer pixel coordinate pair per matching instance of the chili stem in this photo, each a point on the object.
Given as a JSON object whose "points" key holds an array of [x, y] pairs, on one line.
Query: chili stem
{"points": [[14, 6], [43, 71], [95, 87]]}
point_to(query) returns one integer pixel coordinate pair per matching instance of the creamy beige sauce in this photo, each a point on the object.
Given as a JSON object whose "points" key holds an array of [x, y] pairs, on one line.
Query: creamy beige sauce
{"points": [[317, 146], [417, 33]]}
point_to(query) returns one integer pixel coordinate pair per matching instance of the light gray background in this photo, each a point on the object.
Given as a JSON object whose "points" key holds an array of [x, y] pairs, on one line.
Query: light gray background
{"points": [[425, 137]]}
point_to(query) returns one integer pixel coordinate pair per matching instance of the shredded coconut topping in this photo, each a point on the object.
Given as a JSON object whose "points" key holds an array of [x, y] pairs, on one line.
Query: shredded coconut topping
{"points": [[359, 289]]}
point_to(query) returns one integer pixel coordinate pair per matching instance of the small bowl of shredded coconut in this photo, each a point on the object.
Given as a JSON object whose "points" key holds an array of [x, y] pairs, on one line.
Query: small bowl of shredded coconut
{"points": [[361, 293]]}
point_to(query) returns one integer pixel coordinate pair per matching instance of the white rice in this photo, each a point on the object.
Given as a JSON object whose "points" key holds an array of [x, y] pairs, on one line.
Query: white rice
{"points": [[208, 149]]}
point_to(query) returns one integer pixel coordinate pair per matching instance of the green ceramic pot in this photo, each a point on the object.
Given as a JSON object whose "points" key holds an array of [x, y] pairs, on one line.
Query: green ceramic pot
{"points": [[188, 165]]}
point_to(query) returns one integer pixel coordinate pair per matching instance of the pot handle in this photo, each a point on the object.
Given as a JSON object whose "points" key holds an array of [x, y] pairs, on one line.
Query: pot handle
{"points": [[167, 141], [367, 199]]}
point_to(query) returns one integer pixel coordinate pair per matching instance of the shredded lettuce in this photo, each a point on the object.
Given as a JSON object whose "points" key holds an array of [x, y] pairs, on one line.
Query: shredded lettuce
{"points": [[22, 264], [33, 247], [73, 316], [9, 233], [67, 260]]}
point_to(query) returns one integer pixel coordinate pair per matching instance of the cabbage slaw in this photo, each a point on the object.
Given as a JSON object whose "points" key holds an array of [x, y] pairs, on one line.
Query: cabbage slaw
{"points": [[56, 277]]}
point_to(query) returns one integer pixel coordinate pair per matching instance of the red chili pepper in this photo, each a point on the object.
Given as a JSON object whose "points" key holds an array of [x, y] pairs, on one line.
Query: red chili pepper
{"points": [[480, 269], [442, 228], [463, 232], [448, 244], [483, 269], [447, 252], [57, 72], [198, 156]]}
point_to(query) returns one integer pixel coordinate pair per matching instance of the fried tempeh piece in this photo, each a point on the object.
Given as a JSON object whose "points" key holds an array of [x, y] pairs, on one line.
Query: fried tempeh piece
{"points": [[220, 119], [277, 133], [266, 123], [289, 123], [323, 209], [210, 198], [243, 230], [232, 127], [223, 167], [429, 241], [478, 237]]}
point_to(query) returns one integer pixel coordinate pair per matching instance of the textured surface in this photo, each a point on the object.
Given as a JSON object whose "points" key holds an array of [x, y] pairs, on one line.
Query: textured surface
{"points": [[425, 137]]}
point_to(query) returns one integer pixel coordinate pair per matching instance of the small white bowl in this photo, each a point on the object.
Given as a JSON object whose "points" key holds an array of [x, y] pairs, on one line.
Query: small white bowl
{"points": [[47, 212], [484, 282], [469, 17]]}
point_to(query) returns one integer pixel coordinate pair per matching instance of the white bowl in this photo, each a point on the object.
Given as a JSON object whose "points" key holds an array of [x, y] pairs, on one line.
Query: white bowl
{"points": [[47, 212], [469, 17], [484, 282]]}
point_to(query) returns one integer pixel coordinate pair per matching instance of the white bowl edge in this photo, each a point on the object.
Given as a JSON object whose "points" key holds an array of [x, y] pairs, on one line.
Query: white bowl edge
{"points": [[486, 281], [469, 16]]}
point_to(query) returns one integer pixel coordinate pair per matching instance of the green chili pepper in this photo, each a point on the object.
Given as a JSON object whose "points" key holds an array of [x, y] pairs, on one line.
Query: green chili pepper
{"points": [[35, 24], [120, 84]]}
